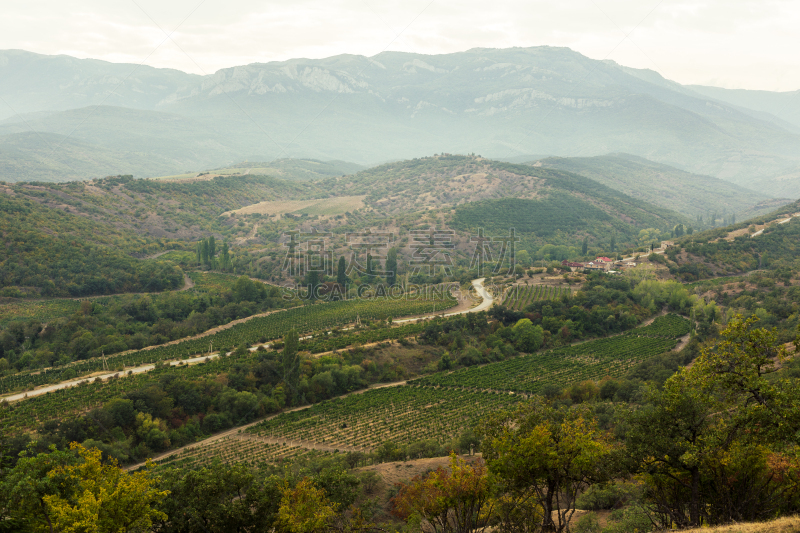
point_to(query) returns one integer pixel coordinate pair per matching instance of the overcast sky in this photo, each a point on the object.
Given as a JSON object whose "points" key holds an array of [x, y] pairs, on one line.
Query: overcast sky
{"points": [[727, 43]]}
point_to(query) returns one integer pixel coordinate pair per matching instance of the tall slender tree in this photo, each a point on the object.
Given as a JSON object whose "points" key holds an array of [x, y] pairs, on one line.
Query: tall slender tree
{"points": [[312, 282], [391, 268], [291, 366], [225, 258], [341, 274], [212, 251]]}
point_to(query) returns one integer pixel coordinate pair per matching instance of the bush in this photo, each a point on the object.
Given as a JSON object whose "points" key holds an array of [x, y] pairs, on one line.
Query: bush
{"points": [[628, 520], [614, 496], [587, 524]]}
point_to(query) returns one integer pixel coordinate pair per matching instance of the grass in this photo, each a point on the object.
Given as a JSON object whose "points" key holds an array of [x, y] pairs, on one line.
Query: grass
{"points": [[789, 524], [43, 311]]}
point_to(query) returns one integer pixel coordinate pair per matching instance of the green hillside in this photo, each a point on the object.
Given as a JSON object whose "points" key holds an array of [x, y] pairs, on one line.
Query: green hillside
{"points": [[54, 253], [82, 238], [668, 187]]}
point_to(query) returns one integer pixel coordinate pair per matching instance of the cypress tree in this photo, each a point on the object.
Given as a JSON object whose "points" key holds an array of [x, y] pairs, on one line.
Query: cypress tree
{"points": [[341, 276], [391, 268], [291, 366]]}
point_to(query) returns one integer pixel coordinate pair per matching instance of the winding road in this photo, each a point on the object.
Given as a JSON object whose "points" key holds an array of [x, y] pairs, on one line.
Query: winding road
{"points": [[477, 284]]}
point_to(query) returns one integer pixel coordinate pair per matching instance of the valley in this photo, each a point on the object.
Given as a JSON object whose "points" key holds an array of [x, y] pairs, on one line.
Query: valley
{"points": [[339, 322]]}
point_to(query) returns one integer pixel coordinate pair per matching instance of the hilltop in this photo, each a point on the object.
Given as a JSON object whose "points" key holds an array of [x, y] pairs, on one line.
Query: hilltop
{"points": [[471, 192]]}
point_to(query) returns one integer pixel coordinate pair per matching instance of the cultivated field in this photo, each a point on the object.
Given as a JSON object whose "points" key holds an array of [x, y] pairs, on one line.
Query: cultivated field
{"points": [[439, 407], [520, 296], [402, 414]]}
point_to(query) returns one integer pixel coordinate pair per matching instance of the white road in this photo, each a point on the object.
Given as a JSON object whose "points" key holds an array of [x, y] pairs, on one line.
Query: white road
{"points": [[784, 221], [485, 304]]}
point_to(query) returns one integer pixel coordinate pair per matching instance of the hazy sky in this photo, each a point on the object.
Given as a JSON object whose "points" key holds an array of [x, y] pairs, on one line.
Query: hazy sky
{"points": [[727, 43]]}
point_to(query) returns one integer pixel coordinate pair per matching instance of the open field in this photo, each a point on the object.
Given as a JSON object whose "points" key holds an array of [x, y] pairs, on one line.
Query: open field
{"points": [[234, 449], [41, 310], [322, 206]]}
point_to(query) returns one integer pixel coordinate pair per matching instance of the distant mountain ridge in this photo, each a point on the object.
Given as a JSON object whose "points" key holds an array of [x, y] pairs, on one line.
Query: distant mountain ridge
{"points": [[499, 103], [668, 187]]}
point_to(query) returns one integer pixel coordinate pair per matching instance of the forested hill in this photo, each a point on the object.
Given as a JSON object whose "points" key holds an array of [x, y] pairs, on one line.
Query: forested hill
{"points": [[483, 193], [83, 238], [768, 242], [49, 252], [185, 209]]}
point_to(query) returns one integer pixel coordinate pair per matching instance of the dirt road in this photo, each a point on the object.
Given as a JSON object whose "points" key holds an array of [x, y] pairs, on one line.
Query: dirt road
{"points": [[235, 431], [477, 284]]}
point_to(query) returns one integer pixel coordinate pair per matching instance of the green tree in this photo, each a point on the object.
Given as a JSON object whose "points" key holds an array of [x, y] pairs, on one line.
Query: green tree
{"points": [[25, 487], [291, 366], [341, 275], [546, 455], [527, 336], [713, 443], [225, 258], [458, 500], [305, 508], [370, 268], [226, 498], [391, 268], [105, 497], [205, 252], [212, 249], [585, 246], [312, 283]]}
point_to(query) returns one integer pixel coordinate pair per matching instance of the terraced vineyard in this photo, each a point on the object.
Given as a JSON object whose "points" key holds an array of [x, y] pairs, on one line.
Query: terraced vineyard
{"points": [[670, 325], [401, 414], [232, 449], [326, 343], [306, 319], [590, 360], [520, 296]]}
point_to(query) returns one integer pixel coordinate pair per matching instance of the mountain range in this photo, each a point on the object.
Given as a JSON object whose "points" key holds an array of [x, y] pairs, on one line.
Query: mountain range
{"points": [[66, 118]]}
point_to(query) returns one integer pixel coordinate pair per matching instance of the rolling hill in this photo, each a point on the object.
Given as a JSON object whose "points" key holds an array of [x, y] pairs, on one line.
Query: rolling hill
{"points": [[668, 187], [546, 205]]}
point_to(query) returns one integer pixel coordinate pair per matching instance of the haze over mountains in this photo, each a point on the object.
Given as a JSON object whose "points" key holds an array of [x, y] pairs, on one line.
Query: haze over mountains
{"points": [[94, 118]]}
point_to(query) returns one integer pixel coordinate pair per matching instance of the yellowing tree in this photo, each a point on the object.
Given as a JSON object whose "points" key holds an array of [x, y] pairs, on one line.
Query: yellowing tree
{"points": [[305, 508], [454, 501], [105, 498], [546, 456]]}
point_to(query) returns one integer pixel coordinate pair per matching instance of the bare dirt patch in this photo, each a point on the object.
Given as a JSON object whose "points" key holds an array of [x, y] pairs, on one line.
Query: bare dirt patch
{"points": [[320, 206]]}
